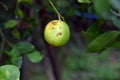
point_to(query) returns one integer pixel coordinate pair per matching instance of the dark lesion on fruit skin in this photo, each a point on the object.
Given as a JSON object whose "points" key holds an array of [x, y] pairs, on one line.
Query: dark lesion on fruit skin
{"points": [[60, 27], [52, 27], [54, 23], [59, 34]]}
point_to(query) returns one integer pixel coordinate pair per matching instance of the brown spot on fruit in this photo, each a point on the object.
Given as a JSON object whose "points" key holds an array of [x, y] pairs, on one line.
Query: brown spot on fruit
{"points": [[52, 27], [60, 27], [54, 23], [59, 34]]}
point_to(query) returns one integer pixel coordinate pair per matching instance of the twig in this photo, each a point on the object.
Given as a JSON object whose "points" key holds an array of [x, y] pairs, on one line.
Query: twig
{"points": [[2, 45], [117, 14], [5, 6], [59, 15], [5, 40]]}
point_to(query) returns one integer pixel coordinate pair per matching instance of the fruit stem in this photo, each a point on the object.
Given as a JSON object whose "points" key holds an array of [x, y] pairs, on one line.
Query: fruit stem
{"points": [[59, 15]]}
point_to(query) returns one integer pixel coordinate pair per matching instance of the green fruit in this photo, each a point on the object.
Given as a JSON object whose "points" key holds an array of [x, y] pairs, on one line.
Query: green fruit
{"points": [[57, 33]]}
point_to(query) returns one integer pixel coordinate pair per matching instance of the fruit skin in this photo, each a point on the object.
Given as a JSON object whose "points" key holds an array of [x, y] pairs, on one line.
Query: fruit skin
{"points": [[57, 33]]}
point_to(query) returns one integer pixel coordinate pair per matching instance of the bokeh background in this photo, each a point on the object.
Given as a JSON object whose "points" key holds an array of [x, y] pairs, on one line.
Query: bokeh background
{"points": [[69, 62]]}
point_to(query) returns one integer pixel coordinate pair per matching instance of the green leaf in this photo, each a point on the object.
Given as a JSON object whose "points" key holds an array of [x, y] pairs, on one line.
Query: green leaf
{"points": [[102, 7], [35, 56], [115, 4], [28, 1], [16, 33], [84, 1], [9, 72], [14, 53], [94, 28], [24, 47], [15, 57], [116, 22], [11, 24], [25, 1], [116, 45], [17, 61], [18, 1], [92, 32], [103, 41], [89, 36], [20, 13]]}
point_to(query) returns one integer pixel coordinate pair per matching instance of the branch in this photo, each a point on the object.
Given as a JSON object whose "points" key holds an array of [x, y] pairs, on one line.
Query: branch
{"points": [[4, 39], [117, 14], [5, 6], [2, 44], [53, 61]]}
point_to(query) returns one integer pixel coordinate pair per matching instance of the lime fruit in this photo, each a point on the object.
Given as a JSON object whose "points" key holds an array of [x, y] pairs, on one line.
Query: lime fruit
{"points": [[57, 33]]}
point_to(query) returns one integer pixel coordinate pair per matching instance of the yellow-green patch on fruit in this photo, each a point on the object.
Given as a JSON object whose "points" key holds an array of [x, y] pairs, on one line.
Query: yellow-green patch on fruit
{"points": [[57, 33]]}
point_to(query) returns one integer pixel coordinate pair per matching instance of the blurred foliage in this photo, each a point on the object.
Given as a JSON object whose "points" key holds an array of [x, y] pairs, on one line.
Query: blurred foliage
{"points": [[9, 72], [81, 65], [86, 18]]}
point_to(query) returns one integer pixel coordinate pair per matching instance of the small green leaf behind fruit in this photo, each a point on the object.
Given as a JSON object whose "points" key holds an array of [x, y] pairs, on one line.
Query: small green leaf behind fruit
{"points": [[14, 53], [15, 57], [116, 21], [92, 32], [84, 1], [18, 1], [89, 36], [20, 13], [35, 56], [29, 2], [17, 61], [115, 4], [94, 28], [116, 45], [11, 24], [9, 72], [102, 8], [24, 47], [103, 41], [16, 33]]}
